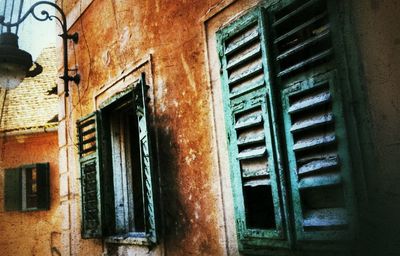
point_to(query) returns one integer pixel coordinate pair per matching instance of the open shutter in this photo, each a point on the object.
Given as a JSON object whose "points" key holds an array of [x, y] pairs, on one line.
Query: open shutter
{"points": [[12, 190], [89, 157], [43, 186], [249, 118], [319, 163], [146, 161]]}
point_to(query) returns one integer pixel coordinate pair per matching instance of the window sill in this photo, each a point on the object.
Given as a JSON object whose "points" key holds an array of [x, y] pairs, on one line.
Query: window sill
{"points": [[135, 239]]}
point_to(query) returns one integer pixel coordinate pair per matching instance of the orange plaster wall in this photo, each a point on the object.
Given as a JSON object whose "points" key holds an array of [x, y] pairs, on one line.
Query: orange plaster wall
{"points": [[116, 34], [30, 233]]}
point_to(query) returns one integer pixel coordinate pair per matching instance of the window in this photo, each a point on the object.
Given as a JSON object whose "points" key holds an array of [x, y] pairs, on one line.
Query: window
{"points": [[289, 154], [27, 188], [116, 169]]}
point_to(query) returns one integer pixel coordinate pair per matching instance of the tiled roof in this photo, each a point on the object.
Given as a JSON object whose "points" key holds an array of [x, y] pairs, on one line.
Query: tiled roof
{"points": [[30, 106]]}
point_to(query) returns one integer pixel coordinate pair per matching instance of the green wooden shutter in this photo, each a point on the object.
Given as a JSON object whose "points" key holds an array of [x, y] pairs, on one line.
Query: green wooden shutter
{"points": [[12, 190], [249, 115], [146, 161], [90, 163], [43, 186], [319, 161]]}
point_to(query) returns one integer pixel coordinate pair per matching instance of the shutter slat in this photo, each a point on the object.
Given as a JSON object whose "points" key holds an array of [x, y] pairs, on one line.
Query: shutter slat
{"points": [[249, 121], [251, 139], [310, 101], [300, 27], [242, 42], [318, 165], [320, 181], [256, 183], [246, 74], [295, 12], [309, 143], [247, 173], [92, 130], [306, 62], [252, 153], [247, 87], [326, 218], [313, 40], [314, 121], [233, 63]]}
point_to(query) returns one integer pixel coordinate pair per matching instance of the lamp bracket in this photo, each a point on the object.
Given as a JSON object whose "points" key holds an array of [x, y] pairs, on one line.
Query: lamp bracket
{"points": [[44, 15]]}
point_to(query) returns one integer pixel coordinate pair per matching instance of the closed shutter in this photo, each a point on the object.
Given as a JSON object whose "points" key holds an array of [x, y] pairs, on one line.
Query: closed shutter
{"points": [[146, 160], [12, 190], [319, 163], [89, 157], [251, 136], [43, 186]]}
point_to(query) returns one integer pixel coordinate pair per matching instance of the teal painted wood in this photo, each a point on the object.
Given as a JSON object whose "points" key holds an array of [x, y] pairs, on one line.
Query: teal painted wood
{"points": [[12, 190], [43, 185], [252, 96], [333, 221], [90, 165], [147, 167]]}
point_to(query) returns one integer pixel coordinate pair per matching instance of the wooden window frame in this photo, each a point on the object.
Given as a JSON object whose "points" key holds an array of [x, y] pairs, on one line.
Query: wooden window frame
{"points": [[99, 126]]}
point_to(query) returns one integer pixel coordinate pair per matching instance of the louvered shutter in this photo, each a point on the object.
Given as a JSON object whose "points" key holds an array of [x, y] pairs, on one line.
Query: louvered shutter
{"points": [[146, 160], [90, 163], [12, 190], [254, 162], [43, 185], [319, 163]]}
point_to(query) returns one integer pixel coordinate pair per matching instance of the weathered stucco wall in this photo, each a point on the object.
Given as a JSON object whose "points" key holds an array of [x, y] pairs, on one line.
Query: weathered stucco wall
{"points": [[116, 35], [37, 232], [378, 36]]}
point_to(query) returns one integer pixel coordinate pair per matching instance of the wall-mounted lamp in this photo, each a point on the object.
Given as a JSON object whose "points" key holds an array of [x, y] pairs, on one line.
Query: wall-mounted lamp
{"points": [[16, 64]]}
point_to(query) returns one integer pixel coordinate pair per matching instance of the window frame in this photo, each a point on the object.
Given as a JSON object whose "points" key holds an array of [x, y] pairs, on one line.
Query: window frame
{"points": [[107, 227], [20, 184]]}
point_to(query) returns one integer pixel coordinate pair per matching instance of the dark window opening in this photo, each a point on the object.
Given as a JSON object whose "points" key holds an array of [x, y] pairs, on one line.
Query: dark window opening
{"points": [[259, 207]]}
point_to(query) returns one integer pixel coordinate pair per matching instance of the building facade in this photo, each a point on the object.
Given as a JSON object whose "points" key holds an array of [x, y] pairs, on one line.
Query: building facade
{"points": [[230, 127], [30, 222]]}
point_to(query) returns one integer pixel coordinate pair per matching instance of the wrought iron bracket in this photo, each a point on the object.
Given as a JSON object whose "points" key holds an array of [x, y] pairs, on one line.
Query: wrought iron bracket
{"points": [[44, 15]]}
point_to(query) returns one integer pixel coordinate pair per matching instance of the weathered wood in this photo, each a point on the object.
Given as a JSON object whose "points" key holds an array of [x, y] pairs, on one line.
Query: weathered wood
{"points": [[300, 27], [249, 120], [306, 62], [252, 153], [301, 46], [315, 141], [326, 218], [312, 122], [243, 40], [309, 101], [303, 7], [244, 57], [318, 165], [320, 181]]}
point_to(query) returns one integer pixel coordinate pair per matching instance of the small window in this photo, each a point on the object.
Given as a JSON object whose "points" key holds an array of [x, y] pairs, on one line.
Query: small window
{"points": [[117, 170], [27, 188]]}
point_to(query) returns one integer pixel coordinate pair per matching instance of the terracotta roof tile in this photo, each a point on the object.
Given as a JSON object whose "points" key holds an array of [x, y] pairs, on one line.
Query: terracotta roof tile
{"points": [[30, 106]]}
